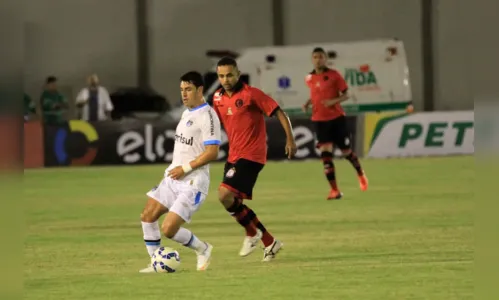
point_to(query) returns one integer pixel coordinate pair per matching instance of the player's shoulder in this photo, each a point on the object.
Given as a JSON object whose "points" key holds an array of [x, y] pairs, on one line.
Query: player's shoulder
{"points": [[217, 96], [208, 113], [253, 90], [184, 113], [333, 72]]}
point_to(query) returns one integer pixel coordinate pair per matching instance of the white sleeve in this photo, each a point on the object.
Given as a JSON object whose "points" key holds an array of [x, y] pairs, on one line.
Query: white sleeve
{"points": [[82, 96], [210, 128]]}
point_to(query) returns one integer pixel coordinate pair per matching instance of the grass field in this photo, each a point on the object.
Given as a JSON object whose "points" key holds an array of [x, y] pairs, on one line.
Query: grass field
{"points": [[409, 237]]}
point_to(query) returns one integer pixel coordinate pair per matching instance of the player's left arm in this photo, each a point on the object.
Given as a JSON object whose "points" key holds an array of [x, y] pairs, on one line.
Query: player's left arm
{"points": [[211, 135], [270, 107], [342, 87]]}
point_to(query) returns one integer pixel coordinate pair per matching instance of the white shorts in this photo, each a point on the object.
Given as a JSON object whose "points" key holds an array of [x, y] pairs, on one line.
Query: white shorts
{"points": [[179, 197]]}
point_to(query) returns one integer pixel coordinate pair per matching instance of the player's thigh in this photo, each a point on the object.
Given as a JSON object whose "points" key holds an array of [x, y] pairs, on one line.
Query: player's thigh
{"points": [[323, 136], [188, 202], [341, 134], [241, 178], [152, 211], [162, 195]]}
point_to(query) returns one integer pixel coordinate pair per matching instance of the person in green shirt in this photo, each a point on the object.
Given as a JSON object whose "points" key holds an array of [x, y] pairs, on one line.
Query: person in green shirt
{"points": [[29, 107], [52, 103]]}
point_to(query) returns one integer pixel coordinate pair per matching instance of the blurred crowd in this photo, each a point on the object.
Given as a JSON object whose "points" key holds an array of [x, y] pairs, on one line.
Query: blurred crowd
{"points": [[93, 103]]}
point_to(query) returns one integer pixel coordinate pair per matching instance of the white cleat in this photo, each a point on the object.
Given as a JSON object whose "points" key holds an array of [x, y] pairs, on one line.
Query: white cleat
{"points": [[250, 243], [204, 258], [149, 269], [270, 252]]}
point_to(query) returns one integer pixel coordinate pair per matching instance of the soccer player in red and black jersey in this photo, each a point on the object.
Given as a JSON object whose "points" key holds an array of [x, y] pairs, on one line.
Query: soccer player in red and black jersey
{"points": [[241, 109], [328, 90]]}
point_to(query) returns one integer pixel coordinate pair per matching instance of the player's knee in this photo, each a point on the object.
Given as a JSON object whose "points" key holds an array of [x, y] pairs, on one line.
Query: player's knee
{"points": [[169, 230], [148, 217], [225, 196], [346, 151], [326, 148]]}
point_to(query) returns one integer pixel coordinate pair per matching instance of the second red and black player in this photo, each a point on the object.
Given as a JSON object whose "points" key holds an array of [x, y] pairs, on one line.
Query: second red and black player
{"points": [[328, 90]]}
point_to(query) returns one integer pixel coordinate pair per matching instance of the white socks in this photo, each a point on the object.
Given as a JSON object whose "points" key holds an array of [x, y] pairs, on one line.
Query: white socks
{"points": [[188, 239], [152, 236]]}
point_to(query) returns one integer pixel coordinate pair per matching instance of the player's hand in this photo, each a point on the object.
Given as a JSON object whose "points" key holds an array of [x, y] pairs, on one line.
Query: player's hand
{"points": [[304, 108], [290, 148], [329, 102], [176, 173]]}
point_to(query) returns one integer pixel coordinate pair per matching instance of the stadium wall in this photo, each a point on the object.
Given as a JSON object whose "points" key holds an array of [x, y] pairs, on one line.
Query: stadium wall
{"points": [[375, 135], [79, 143], [73, 38]]}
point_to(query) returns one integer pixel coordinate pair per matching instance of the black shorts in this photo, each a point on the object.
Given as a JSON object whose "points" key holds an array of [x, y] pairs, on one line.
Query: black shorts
{"points": [[333, 132], [240, 177]]}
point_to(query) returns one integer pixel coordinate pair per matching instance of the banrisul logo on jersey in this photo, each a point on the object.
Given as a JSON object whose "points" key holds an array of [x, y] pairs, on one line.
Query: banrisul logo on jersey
{"points": [[180, 138], [362, 78], [423, 134]]}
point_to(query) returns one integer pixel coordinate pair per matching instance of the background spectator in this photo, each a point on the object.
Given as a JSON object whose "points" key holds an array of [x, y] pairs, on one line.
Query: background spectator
{"points": [[52, 103], [94, 101]]}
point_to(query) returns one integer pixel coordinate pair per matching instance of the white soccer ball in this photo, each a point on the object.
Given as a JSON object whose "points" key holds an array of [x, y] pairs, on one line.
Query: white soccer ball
{"points": [[165, 260]]}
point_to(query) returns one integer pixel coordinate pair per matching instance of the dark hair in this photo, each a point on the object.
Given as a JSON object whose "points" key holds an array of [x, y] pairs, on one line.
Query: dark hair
{"points": [[319, 50], [51, 79], [227, 61], [193, 77]]}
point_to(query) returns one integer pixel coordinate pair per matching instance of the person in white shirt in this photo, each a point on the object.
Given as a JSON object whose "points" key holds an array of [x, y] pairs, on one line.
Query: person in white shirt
{"points": [[94, 101], [186, 181]]}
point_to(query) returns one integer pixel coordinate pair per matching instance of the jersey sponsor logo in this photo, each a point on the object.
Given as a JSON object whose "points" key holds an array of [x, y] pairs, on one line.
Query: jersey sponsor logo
{"points": [[184, 140], [189, 123], [217, 96], [212, 123], [229, 111]]}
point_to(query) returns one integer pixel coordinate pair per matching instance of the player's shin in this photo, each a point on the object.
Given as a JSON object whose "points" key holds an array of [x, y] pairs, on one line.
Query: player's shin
{"points": [[267, 238], [188, 239], [240, 212], [329, 171], [152, 236], [354, 160]]}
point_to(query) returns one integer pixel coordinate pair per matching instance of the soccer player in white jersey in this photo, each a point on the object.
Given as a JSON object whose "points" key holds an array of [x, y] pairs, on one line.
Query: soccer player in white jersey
{"points": [[185, 184]]}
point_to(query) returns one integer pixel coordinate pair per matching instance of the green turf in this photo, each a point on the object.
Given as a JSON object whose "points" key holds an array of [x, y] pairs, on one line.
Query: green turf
{"points": [[409, 237]]}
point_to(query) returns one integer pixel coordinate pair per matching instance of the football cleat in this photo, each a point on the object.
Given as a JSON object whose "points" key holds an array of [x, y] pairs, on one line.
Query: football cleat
{"points": [[334, 195], [250, 243], [204, 258], [270, 252]]}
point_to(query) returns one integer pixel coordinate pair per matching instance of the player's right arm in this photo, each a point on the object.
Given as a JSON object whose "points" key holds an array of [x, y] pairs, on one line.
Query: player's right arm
{"points": [[307, 104], [210, 133]]}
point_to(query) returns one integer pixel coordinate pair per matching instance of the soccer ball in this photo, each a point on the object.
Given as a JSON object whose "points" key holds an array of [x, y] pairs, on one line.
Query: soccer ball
{"points": [[165, 260]]}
